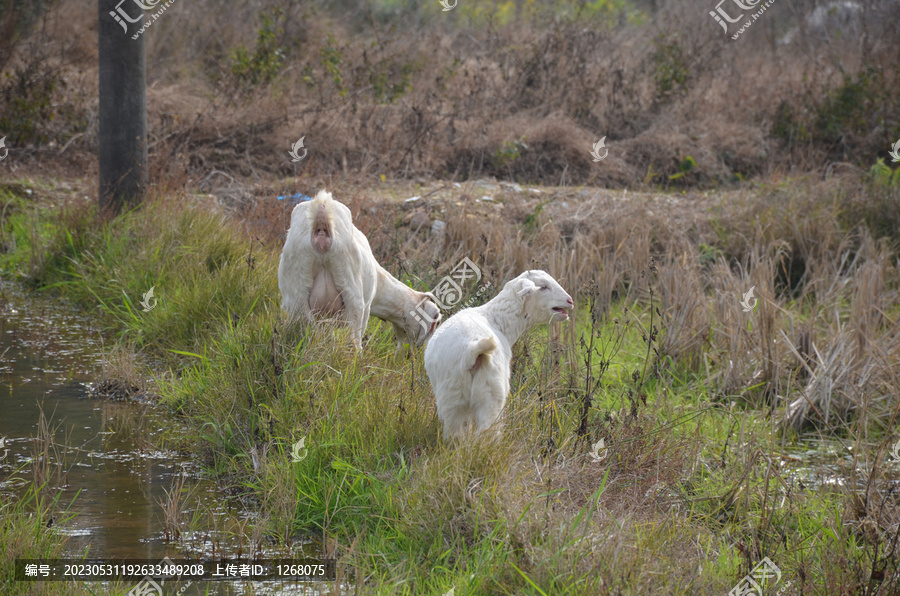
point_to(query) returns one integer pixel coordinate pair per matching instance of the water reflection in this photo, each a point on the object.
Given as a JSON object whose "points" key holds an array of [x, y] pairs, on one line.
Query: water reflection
{"points": [[101, 455]]}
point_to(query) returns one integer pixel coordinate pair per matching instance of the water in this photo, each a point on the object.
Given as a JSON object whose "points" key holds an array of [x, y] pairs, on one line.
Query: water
{"points": [[830, 463], [102, 457]]}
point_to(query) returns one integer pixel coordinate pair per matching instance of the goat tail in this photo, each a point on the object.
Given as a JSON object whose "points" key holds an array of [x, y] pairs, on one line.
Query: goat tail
{"points": [[479, 353], [321, 215]]}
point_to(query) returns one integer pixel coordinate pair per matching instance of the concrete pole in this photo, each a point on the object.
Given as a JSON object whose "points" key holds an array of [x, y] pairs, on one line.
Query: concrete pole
{"points": [[123, 106]]}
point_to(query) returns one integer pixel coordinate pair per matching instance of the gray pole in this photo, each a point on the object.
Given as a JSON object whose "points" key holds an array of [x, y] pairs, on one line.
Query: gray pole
{"points": [[123, 106]]}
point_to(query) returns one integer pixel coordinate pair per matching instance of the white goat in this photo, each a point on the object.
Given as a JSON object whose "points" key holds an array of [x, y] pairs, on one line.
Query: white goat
{"points": [[327, 267], [468, 357]]}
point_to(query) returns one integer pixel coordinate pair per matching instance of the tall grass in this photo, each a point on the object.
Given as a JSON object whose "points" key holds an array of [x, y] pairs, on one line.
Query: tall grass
{"points": [[686, 390], [30, 518]]}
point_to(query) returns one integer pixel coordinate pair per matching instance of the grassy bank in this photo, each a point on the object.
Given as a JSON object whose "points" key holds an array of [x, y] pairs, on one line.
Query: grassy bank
{"points": [[691, 395]]}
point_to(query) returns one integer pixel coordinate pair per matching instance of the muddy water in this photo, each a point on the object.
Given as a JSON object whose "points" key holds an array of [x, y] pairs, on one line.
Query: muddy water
{"points": [[102, 456]]}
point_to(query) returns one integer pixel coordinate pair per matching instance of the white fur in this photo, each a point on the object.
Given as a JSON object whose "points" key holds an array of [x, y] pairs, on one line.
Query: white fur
{"points": [[468, 357], [327, 268]]}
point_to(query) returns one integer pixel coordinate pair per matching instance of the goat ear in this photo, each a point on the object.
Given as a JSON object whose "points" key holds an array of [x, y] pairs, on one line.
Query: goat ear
{"points": [[526, 286]]}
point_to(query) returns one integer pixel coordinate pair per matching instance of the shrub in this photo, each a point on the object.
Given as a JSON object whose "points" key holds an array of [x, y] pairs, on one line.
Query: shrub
{"points": [[670, 70], [263, 64]]}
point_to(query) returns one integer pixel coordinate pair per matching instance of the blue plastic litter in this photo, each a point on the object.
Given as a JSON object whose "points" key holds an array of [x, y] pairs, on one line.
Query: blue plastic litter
{"points": [[296, 198]]}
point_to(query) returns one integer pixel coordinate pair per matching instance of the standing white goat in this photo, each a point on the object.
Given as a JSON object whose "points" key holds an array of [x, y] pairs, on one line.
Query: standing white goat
{"points": [[327, 267], [468, 358]]}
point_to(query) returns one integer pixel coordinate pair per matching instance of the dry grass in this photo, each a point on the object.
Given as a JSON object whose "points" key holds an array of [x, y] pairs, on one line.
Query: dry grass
{"points": [[685, 388], [689, 392], [829, 353], [524, 100]]}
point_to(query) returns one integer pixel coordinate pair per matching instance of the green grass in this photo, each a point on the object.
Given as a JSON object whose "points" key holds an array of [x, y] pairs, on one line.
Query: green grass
{"points": [[24, 534], [689, 497]]}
